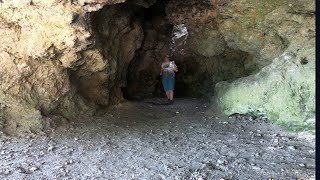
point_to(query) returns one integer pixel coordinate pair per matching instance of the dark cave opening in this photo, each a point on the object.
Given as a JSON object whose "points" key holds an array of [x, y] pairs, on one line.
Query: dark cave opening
{"points": [[140, 38]]}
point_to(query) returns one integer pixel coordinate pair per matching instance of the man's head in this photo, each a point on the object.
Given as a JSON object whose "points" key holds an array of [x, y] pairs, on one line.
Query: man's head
{"points": [[167, 58]]}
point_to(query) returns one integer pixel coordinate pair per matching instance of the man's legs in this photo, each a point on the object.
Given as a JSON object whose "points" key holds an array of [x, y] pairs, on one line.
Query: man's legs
{"points": [[169, 84], [168, 94], [171, 95], [171, 92], [165, 86]]}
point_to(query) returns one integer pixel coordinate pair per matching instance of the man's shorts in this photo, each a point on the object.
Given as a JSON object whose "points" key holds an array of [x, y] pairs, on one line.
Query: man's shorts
{"points": [[168, 83]]}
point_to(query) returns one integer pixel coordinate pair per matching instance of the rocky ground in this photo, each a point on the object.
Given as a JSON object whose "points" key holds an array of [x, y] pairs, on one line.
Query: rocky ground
{"points": [[151, 140]]}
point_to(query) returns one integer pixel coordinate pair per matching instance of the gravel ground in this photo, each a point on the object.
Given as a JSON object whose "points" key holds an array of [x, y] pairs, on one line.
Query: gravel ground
{"points": [[151, 140]]}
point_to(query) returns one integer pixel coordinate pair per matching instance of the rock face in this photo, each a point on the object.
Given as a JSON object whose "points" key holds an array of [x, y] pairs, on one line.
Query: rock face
{"points": [[118, 37], [202, 55], [193, 11], [284, 90], [205, 59], [52, 63], [207, 41], [39, 42], [143, 73], [243, 26], [67, 58]]}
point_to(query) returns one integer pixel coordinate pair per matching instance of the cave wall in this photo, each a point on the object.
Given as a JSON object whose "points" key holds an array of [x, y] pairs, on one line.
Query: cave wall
{"points": [[67, 58], [239, 25], [279, 38], [53, 64], [40, 40], [202, 56], [205, 58], [118, 35], [143, 73], [283, 90]]}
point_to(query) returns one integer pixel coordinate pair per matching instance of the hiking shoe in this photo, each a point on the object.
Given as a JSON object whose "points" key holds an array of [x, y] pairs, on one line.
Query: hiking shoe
{"points": [[168, 101]]}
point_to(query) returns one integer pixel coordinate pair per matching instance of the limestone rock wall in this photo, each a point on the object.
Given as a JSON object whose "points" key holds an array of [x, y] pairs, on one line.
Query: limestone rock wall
{"points": [[205, 58], [36, 39], [193, 11], [48, 55], [118, 36], [143, 72], [284, 91], [69, 57], [279, 38]]}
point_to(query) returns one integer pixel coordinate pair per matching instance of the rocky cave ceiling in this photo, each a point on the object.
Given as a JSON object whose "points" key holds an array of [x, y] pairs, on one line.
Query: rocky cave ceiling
{"points": [[70, 57]]}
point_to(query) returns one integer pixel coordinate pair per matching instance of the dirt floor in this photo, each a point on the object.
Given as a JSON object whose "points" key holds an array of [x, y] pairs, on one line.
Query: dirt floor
{"points": [[150, 140]]}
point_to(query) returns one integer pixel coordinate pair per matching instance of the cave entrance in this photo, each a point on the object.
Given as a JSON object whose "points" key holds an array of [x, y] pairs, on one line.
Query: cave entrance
{"points": [[136, 35]]}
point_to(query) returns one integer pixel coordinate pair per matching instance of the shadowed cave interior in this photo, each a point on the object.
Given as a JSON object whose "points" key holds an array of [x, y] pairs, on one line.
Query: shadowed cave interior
{"points": [[146, 35], [90, 55], [80, 84]]}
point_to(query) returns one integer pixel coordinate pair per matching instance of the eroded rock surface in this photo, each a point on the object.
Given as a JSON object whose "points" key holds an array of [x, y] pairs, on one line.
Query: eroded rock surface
{"points": [[285, 89], [40, 40], [67, 58], [51, 62]]}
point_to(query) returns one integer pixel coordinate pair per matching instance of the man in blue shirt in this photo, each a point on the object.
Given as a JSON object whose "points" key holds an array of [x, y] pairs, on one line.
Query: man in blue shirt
{"points": [[168, 69]]}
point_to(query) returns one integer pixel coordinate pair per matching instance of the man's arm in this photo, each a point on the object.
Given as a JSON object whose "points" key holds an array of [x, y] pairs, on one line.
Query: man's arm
{"points": [[175, 68]]}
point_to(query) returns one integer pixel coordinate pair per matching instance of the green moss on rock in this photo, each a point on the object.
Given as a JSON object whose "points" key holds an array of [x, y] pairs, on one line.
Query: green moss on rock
{"points": [[284, 91]]}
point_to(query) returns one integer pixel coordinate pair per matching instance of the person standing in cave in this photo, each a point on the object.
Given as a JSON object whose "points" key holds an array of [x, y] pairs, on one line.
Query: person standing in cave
{"points": [[167, 71]]}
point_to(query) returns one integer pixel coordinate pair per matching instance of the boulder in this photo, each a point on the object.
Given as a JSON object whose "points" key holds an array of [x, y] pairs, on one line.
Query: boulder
{"points": [[283, 91]]}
